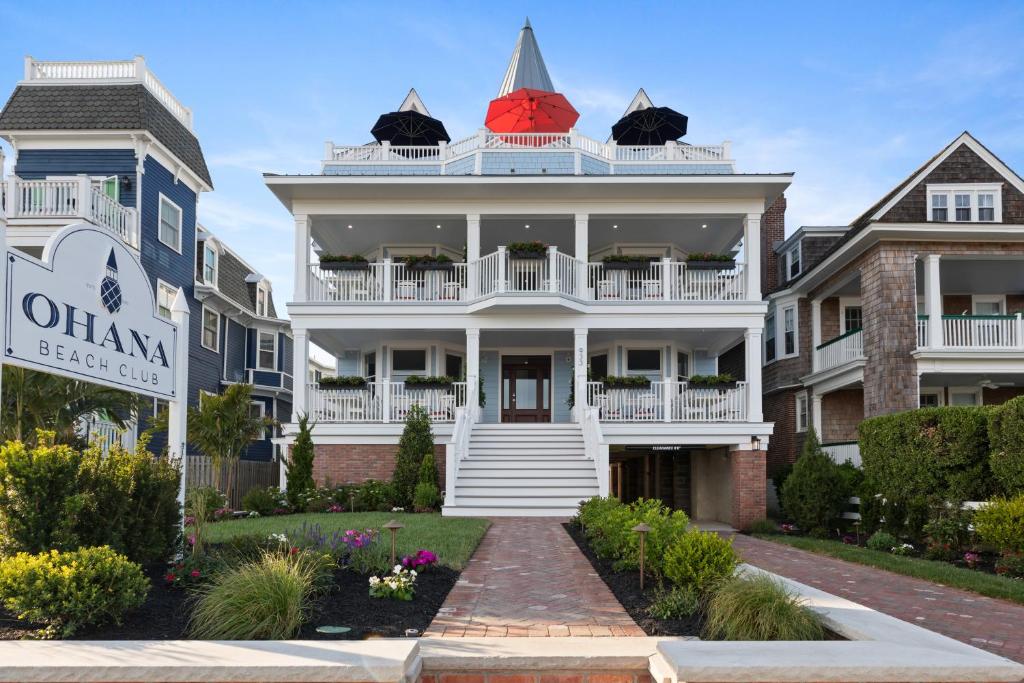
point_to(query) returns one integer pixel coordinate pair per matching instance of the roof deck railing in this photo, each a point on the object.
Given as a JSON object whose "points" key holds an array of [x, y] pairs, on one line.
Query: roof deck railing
{"points": [[106, 72]]}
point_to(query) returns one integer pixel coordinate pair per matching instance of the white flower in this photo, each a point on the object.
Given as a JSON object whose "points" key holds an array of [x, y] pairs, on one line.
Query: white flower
{"points": [[398, 569]]}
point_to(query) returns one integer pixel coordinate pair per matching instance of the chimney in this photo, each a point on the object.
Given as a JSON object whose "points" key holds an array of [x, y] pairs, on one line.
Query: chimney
{"points": [[773, 231]]}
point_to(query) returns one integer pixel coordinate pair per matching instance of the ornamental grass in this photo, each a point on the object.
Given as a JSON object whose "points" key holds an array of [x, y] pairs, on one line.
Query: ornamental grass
{"points": [[759, 607]]}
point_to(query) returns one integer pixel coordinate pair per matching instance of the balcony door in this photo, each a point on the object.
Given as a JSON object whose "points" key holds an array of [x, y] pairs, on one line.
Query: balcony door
{"points": [[526, 389]]}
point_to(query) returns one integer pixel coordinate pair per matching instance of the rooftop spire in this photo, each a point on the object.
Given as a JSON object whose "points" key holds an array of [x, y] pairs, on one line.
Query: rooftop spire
{"points": [[526, 68]]}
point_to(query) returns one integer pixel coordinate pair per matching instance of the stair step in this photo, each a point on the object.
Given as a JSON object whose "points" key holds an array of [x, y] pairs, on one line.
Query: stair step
{"points": [[527, 492], [525, 438], [550, 462], [508, 511], [568, 502], [519, 480], [509, 452]]}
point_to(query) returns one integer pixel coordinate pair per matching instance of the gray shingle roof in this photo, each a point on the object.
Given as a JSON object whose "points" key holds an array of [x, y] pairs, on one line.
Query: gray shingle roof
{"points": [[102, 107], [231, 280]]}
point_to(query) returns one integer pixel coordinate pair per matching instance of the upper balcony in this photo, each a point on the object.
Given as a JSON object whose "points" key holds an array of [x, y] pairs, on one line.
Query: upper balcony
{"points": [[487, 153], [36, 208]]}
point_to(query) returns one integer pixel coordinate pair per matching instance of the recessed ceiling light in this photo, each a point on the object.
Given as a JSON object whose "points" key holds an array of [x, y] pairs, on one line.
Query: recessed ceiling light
{"points": [[704, 226], [350, 227], [438, 226], [527, 226], [615, 227]]}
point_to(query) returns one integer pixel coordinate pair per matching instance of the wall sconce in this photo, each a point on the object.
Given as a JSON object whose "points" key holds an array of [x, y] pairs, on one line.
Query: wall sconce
{"points": [[756, 443], [126, 183]]}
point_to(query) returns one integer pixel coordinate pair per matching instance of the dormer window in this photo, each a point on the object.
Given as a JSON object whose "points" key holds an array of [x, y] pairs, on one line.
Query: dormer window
{"points": [[793, 262], [261, 300], [970, 203], [209, 263]]}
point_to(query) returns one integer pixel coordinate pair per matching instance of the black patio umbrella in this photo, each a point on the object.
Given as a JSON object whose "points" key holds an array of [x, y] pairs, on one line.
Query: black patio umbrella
{"points": [[409, 128], [651, 126]]}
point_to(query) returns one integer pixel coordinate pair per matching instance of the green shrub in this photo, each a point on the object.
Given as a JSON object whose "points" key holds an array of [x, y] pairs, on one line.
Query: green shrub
{"points": [[948, 534], [608, 525], [266, 599], [763, 526], [417, 440], [427, 496], [605, 523], [882, 541], [678, 602], [815, 493], [779, 477], [1006, 439], [39, 496], [759, 608], [70, 590], [299, 470], [923, 459], [264, 500], [208, 499], [375, 496], [700, 560], [1001, 524]]}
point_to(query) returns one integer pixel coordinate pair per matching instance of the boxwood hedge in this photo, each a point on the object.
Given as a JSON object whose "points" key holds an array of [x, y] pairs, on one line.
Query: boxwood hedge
{"points": [[1006, 437]]}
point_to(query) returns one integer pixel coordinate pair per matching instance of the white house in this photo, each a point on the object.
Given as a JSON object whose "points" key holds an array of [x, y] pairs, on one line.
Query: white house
{"points": [[527, 426]]}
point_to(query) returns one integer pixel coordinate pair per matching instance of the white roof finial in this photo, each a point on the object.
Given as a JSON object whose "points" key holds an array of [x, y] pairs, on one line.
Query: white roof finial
{"points": [[526, 69], [412, 102]]}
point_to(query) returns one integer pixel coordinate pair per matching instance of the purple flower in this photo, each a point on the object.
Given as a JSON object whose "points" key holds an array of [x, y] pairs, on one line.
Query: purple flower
{"points": [[421, 560]]}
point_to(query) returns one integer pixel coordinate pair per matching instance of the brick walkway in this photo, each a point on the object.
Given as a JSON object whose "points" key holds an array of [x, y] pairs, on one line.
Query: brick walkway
{"points": [[528, 578], [987, 623]]}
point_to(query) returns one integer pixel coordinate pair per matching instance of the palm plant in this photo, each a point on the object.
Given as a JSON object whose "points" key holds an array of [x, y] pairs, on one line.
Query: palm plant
{"points": [[36, 400]]}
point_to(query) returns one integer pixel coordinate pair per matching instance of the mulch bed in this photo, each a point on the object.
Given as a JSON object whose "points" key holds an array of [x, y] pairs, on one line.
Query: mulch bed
{"points": [[164, 615], [625, 586]]}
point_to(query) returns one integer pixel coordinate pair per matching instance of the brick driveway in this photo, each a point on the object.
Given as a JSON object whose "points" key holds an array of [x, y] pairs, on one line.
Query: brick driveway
{"points": [[528, 578], [987, 623]]}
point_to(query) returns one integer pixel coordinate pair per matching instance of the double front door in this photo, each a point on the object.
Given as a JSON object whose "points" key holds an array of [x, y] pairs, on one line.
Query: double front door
{"points": [[526, 389]]}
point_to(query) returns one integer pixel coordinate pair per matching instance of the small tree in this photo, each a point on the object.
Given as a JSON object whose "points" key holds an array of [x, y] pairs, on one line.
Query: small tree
{"points": [[300, 466], [417, 440], [222, 427], [427, 495], [814, 494]]}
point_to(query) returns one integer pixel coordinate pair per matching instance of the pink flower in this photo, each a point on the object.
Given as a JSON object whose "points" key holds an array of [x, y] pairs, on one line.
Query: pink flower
{"points": [[194, 574], [192, 539], [170, 577]]}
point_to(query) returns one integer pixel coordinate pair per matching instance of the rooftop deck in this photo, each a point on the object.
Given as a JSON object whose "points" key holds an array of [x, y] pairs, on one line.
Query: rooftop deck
{"points": [[488, 153]]}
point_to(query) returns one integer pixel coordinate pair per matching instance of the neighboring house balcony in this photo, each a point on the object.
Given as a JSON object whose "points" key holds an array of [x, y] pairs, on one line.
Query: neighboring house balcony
{"points": [[973, 333], [265, 380], [488, 153], [36, 209], [502, 273], [840, 351]]}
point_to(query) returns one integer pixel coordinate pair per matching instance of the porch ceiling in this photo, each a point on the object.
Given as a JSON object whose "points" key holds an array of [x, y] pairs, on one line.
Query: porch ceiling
{"points": [[333, 235], [971, 379], [975, 276]]}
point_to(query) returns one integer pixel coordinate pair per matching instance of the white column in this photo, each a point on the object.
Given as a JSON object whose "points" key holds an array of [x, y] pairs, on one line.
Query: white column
{"points": [[473, 369], [473, 253], [816, 414], [752, 252], [386, 282], [933, 301], [553, 269], [815, 330], [752, 344], [667, 276], [302, 257], [177, 420], [300, 374], [502, 270], [579, 365], [581, 250]]}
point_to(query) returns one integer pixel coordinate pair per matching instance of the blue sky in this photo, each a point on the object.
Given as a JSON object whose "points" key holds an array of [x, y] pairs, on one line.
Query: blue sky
{"points": [[850, 96]]}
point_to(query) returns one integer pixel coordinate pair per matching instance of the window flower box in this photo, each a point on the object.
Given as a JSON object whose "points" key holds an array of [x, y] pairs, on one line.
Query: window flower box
{"points": [[719, 382], [710, 261], [629, 382], [622, 262], [527, 250], [435, 382], [343, 382], [343, 262], [439, 262]]}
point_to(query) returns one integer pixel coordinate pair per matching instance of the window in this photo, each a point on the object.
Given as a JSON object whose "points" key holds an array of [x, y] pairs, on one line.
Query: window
{"points": [[204, 394], [802, 415], [261, 301], [409, 361], [963, 207], [930, 398], [257, 409], [769, 338], [853, 318], [170, 224], [211, 329], [971, 202], [986, 207], [599, 366], [789, 330], [643, 361], [164, 298], [793, 262], [987, 305], [964, 396], [370, 362], [683, 365], [267, 347], [453, 365], [209, 264]]}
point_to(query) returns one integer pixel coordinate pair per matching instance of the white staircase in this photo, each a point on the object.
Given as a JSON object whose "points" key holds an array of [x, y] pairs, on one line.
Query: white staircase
{"points": [[523, 470]]}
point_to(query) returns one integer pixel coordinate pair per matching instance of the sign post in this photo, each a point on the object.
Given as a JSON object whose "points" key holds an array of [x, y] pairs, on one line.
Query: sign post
{"points": [[86, 310]]}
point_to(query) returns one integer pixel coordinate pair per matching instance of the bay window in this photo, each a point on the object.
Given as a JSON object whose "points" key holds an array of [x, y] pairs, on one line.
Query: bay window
{"points": [[267, 351]]}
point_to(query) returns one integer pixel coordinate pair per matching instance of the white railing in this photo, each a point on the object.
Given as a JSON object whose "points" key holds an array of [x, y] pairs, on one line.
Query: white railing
{"points": [[387, 281], [665, 279], [346, 285], [457, 449], [594, 446], [63, 198], [922, 331], [982, 331], [668, 402], [439, 404], [413, 284], [846, 451], [526, 275], [383, 402], [134, 71], [567, 274], [608, 283], [839, 351], [691, 284], [545, 142], [98, 430]]}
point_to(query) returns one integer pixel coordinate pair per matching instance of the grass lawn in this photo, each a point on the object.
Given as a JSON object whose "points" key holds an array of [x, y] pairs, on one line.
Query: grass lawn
{"points": [[453, 539], [943, 573]]}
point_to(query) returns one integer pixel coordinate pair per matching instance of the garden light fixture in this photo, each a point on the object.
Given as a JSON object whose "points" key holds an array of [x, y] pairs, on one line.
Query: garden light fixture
{"points": [[393, 526], [642, 529]]}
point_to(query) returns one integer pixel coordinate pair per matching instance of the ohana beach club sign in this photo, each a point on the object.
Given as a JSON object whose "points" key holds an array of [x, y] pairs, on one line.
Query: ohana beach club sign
{"points": [[87, 311]]}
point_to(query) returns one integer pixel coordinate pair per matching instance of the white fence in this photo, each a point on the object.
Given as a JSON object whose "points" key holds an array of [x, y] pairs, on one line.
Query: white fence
{"points": [[69, 198], [838, 351], [95, 429], [383, 402], [668, 402], [845, 451]]}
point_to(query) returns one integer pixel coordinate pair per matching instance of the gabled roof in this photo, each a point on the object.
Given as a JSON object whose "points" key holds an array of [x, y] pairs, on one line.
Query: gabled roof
{"points": [[526, 69], [102, 107]]}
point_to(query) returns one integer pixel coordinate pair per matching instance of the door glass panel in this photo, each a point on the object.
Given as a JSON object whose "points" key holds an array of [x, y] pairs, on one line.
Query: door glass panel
{"points": [[545, 397], [964, 399], [505, 402], [526, 390], [987, 308]]}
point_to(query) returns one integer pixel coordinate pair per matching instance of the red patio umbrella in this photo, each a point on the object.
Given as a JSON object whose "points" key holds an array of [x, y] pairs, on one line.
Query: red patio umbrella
{"points": [[531, 111]]}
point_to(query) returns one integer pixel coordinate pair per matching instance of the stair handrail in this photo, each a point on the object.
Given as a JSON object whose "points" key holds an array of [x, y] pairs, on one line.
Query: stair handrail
{"points": [[457, 449], [595, 447]]}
